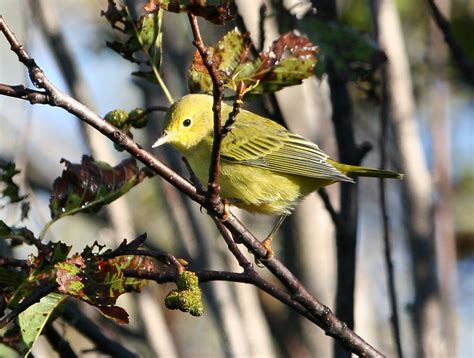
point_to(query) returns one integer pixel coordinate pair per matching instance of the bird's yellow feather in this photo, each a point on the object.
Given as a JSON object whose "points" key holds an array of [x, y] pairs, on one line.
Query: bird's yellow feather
{"points": [[264, 167]]}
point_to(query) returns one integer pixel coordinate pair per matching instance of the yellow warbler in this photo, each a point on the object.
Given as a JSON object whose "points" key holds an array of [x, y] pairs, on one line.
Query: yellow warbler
{"points": [[264, 167]]}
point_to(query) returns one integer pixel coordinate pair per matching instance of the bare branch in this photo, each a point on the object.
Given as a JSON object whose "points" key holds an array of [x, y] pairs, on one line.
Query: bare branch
{"points": [[298, 297], [57, 341], [218, 92], [21, 92]]}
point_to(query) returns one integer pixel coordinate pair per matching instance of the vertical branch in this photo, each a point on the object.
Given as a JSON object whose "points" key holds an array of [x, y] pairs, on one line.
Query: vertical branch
{"points": [[384, 114], [218, 93], [466, 66], [386, 220]]}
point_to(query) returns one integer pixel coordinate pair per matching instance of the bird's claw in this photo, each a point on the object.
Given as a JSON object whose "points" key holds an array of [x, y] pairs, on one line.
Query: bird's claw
{"points": [[266, 244], [226, 214]]}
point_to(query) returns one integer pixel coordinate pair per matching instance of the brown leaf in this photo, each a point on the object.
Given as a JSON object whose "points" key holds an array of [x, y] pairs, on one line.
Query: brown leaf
{"points": [[118, 314], [90, 185]]}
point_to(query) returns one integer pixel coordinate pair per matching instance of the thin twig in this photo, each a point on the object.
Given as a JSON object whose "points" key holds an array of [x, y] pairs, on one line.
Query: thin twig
{"points": [[239, 94], [323, 194], [20, 91], [156, 109], [386, 221], [192, 176], [321, 314], [233, 248], [165, 258], [384, 117], [250, 277], [465, 65]]}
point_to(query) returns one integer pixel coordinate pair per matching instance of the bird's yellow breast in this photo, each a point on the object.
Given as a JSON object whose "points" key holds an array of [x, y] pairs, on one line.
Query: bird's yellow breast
{"points": [[252, 188]]}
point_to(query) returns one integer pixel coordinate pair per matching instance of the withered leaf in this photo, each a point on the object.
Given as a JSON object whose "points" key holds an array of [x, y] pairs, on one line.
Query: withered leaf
{"points": [[88, 186], [99, 281], [290, 59]]}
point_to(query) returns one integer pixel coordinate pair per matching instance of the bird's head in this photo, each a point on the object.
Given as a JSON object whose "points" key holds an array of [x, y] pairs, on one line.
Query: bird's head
{"points": [[187, 122]]}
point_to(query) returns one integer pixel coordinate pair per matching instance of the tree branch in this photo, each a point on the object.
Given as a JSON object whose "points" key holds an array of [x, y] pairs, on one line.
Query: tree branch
{"points": [[466, 66], [21, 92], [57, 341], [319, 313], [218, 93], [384, 121]]}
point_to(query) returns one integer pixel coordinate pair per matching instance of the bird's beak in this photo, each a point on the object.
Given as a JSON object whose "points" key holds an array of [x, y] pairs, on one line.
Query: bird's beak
{"points": [[165, 138]]}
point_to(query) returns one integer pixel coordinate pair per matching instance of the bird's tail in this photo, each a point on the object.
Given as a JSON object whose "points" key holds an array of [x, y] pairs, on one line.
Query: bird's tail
{"points": [[356, 171]]}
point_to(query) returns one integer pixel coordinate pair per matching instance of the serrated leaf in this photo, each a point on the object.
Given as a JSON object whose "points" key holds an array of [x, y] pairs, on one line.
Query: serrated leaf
{"points": [[35, 317], [290, 59], [100, 281], [215, 11], [88, 186]]}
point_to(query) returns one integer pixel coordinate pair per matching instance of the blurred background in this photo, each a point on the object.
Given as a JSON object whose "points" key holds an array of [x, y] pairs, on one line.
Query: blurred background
{"points": [[430, 138]]}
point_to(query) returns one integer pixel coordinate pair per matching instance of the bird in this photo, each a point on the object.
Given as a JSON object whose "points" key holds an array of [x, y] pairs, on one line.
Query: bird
{"points": [[264, 167]]}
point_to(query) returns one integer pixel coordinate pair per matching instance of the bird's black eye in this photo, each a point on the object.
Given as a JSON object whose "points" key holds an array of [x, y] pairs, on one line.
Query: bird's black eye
{"points": [[187, 122]]}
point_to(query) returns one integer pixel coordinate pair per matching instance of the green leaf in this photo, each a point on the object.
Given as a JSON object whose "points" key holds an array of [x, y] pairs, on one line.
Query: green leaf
{"points": [[290, 59], [10, 190], [35, 317], [354, 55], [142, 36], [88, 186], [39, 271], [215, 11]]}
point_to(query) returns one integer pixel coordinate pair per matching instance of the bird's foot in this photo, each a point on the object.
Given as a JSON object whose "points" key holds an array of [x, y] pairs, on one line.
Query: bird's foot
{"points": [[267, 245], [226, 214]]}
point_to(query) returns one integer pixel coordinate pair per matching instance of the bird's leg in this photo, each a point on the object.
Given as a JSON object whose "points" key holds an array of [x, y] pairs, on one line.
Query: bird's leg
{"points": [[226, 214], [266, 243]]}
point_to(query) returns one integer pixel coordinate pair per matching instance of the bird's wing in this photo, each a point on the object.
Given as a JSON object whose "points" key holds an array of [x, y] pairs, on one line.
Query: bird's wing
{"points": [[266, 144]]}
